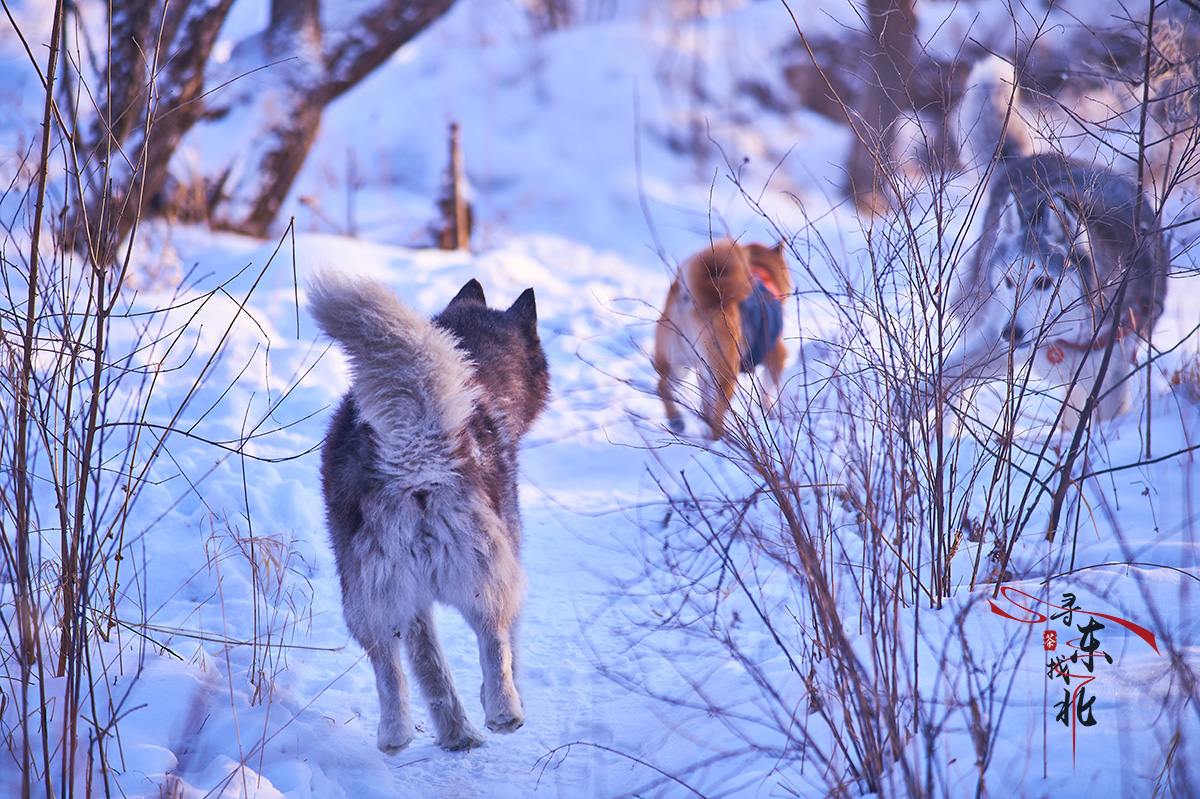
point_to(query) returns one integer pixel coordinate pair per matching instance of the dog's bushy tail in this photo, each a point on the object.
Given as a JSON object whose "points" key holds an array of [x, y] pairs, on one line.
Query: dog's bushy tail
{"points": [[989, 122], [411, 383], [719, 276]]}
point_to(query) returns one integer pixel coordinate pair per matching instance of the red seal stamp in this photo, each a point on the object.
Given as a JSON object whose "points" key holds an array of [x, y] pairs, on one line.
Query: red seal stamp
{"points": [[1050, 640]]}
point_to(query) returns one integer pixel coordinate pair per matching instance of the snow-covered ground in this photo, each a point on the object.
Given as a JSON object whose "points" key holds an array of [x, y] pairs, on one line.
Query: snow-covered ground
{"points": [[598, 156]]}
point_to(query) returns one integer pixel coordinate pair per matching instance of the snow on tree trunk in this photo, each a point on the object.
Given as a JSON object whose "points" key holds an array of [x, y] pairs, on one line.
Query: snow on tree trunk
{"points": [[268, 119], [257, 140], [890, 64]]}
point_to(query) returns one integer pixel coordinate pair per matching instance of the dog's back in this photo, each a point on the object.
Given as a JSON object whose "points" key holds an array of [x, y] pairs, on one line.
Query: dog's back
{"points": [[445, 392], [722, 316], [762, 311]]}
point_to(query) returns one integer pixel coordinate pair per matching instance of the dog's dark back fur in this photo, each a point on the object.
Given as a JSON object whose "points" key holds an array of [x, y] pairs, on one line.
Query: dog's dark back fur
{"points": [[510, 367], [762, 323], [511, 370]]}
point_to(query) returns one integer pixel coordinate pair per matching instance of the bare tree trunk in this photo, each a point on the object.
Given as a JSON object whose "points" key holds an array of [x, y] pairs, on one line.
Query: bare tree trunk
{"points": [[303, 74], [178, 109], [276, 109], [118, 112], [893, 31], [125, 78], [549, 15]]}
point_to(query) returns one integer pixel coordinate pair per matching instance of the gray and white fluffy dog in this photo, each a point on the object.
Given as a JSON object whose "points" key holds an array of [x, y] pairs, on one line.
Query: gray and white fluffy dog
{"points": [[1069, 253], [419, 472]]}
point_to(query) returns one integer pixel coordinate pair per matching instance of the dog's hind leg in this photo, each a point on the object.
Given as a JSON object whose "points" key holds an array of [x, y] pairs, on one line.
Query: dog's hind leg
{"points": [[716, 398], [501, 702], [395, 722], [718, 381], [668, 376], [493, 619], [774, 363], [455, 731]]}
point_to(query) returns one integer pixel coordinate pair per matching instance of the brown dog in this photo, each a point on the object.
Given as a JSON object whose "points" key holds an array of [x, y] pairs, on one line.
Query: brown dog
{"points": [[723, 316]]}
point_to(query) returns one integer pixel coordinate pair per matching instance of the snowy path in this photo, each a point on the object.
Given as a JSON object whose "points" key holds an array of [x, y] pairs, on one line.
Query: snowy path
{"points": [[580, 496]]}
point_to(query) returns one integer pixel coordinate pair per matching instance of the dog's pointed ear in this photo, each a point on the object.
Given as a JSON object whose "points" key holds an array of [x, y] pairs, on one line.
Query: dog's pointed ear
{"points": [[524, 309], [1010, 222], [1070, 232], [471, 292]]}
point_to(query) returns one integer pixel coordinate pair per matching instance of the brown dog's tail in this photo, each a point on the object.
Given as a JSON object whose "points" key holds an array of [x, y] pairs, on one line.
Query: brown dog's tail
{"points": [[719, 276]]}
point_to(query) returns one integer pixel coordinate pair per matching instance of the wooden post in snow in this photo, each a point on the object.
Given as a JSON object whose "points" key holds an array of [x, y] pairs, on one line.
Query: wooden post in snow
{"points": [[461, 227]]}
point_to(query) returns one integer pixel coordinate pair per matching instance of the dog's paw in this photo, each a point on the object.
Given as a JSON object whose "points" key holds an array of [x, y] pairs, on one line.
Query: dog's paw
{"points": [[462, 740], [391, 740], [506, 723]]}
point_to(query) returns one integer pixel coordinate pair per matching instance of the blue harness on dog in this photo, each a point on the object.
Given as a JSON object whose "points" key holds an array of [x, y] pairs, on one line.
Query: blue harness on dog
{"points": [[762, 322]]}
